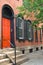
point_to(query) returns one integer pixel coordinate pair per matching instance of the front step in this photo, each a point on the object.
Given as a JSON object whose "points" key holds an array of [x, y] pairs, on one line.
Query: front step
{"points": [[2, 56], [18, 56], [12, 53], [4, 60], [10, 64], [7, 49], [20, 61]]}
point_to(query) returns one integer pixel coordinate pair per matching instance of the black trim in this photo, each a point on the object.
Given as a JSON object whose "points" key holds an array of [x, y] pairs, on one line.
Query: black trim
{"points": [[30, 32], [25, 27], [12, 31], [40, 35], [7, 11], [36, 34], [18, 25]]}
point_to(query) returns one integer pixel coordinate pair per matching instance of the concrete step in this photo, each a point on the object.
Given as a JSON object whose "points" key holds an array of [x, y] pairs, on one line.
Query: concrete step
{"points": [[7, 61], [4, 61], [10, 64], [7, 49], [2, 56], [12, 53], [18, 56], [20, 61], [10, 49]]}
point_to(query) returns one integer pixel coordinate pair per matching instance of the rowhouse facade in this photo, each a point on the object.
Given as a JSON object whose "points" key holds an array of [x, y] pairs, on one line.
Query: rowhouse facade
{"points": [[14, 30]]}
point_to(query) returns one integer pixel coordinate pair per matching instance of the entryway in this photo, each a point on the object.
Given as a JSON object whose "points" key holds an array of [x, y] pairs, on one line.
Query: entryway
{"points": [[7, 26]]}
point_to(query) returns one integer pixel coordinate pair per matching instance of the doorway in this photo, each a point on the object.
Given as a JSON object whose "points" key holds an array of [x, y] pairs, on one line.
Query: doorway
{"points": [[7, 27]]}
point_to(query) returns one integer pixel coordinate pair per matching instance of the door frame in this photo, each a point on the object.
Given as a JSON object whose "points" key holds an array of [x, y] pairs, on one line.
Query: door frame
{"points": [[8, 16]]}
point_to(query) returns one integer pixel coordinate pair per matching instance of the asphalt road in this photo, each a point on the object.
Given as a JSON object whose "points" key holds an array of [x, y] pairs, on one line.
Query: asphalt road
{"points": [[35, 58]]}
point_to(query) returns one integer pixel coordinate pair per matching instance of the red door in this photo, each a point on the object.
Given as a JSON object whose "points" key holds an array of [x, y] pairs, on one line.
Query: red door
{"points": [[5, 33]]}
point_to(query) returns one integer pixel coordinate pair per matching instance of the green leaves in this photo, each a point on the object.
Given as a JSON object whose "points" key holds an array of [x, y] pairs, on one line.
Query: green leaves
{"points": [[35, 6], [35, 23]]}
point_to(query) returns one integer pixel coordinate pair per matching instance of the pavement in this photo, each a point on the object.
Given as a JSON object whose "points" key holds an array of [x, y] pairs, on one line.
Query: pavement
{"points": [[35, 58]]}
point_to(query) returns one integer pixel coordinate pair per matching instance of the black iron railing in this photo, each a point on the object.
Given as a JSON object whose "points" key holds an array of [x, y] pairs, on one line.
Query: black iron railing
{"points": [[14, 46]]}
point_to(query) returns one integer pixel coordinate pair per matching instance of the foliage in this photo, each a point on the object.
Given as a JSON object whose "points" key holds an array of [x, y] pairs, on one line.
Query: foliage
{"points": [[35, 6]]}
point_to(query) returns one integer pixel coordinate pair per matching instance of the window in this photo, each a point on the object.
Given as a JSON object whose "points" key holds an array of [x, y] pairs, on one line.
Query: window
{"points": [[29, 30], [19, 28], [24, 30]]}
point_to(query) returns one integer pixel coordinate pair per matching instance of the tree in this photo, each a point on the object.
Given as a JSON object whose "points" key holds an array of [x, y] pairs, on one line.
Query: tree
{"points": [[32, 6]]}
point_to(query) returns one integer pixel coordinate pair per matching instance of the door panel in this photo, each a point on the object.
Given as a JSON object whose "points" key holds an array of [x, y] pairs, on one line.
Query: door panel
{"points": [[5, 32]]}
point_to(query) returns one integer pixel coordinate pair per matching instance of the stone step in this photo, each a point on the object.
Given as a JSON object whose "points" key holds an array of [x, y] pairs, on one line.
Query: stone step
{"points": [[10, 64], [19, 56], [4, 61], [2, 56], [8, 49], [20, 61], [12, 53]]}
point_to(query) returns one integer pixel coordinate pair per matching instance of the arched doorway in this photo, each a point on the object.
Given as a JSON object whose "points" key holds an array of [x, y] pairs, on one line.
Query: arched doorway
{"points": [[7, 26]]}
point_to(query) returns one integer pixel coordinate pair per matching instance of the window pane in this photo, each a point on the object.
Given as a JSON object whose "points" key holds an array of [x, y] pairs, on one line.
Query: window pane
{"points": [[20, 28], [29, 31]]}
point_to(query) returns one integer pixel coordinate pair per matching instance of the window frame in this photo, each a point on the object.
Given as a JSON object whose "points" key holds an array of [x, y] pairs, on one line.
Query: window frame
{"points": [[20, 28], [32, 35]]}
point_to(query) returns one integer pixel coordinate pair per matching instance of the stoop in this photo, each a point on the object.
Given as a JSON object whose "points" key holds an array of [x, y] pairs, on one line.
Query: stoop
{"points": [[7, 57]]}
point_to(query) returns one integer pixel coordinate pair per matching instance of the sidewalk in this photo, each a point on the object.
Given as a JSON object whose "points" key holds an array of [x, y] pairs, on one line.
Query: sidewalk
{"points": [[35, 58]]}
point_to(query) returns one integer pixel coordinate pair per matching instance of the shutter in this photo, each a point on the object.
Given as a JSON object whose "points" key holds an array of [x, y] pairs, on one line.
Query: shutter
{"points": [[25, 32], [17, 36], [40, 35], [36, 34], [20, 28], [29, 31]]}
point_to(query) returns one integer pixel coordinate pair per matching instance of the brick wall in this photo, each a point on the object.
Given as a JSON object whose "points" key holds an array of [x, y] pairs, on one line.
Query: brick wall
{"points": [[14, 4]]}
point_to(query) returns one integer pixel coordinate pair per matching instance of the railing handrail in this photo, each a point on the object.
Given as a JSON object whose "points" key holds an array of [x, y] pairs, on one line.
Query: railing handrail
{"points": [[14, 49], [11, 43]]}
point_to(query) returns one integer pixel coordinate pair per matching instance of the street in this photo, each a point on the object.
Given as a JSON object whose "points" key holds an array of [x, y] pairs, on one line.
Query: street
{"points": [[35, 58]]}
